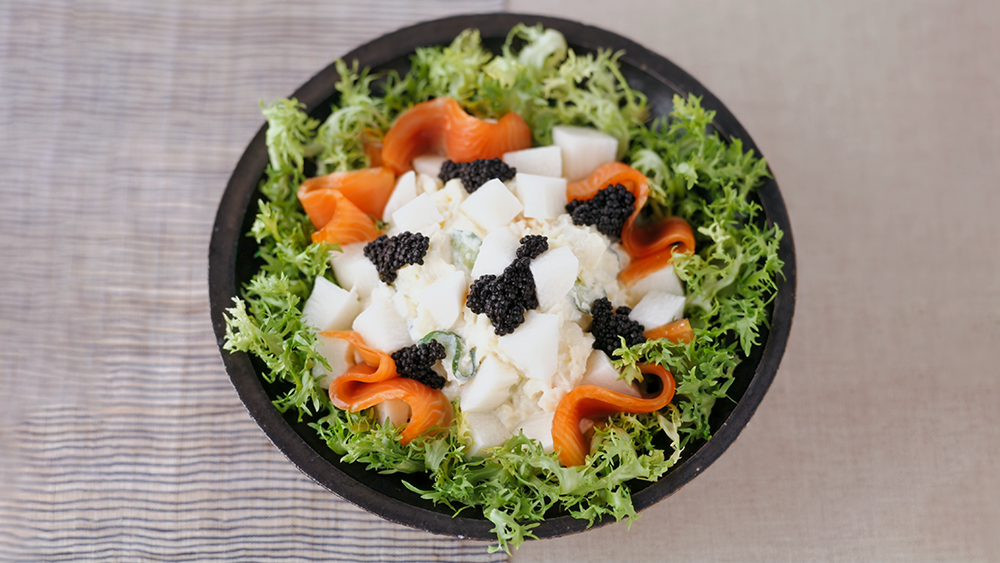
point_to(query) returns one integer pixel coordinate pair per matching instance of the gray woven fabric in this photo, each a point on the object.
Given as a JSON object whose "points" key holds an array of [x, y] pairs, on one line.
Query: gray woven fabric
{"points": [[121, 437]]}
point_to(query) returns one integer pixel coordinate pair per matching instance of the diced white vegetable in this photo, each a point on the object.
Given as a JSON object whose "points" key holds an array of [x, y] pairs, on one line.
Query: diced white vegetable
{"points": [[338, 353], [492, 206], [658, 308], [380, 325], [354, 270], [664, 280], [444, 298], [428, 184], [600, 372], [416, 215], [543, 197], [534, 346], [539, 427], [485, 432], [498, 250], [395, 411], [429, 164], [330, 307], [404, 192], [583, 149], [555, 272], [490, 387], [542, 161]]}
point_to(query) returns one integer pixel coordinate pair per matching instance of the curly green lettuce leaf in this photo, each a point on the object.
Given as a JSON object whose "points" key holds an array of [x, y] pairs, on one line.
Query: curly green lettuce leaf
{"points": [[357, 118], [289, 131]]}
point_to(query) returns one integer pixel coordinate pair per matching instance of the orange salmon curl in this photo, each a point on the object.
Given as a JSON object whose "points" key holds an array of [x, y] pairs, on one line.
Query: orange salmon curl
{"points": [[441, 126], [651, 247], [591, 401], [375, 380], [341, 205]]}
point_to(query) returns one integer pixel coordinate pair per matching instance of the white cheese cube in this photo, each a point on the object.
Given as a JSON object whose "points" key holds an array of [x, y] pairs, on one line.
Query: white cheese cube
{"points": [[380, 325], [404, 192], [417, 215], [492, 206], [664, 279], [498, 250], [444, 299], [395, 411], [330, 307], [539, 427], [541, 161], [338, 353], [485, 431], [583, 149], [658, 308], [543, 197], [352, 269], [534, 346], [429, 164], [555, 273], [490, 387], [601, 373]]}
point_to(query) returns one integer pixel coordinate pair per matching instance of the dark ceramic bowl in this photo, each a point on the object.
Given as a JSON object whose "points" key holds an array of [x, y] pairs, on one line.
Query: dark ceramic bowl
{"points": [[231, 264]]}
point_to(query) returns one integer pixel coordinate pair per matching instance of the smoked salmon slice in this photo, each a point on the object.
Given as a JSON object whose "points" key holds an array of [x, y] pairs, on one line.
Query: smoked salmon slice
{"points": [[369, 189], [375, 380], [347, 222], [675, 331], [671, 233], [441, 126], [651, 247], [591, 401]]}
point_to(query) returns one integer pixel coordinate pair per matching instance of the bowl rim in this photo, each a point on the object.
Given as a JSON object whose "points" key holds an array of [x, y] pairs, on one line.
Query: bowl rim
{"points": [[242, 187]]}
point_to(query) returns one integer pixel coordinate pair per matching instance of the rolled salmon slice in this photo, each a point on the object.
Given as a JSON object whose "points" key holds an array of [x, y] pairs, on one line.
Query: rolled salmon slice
{"points": [[675, 331], [441, 126], [347, 222], [368, 188], [374, 381], [651, 247], [469, 138], [671, 234], [591, 401]]}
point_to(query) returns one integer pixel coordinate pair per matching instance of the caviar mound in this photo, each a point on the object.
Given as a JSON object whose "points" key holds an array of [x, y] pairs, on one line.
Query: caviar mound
{"points": [[532, 246], [610, 324], [504, 299], [389, 254], [607, 210], [476, 173], [415, 362]]}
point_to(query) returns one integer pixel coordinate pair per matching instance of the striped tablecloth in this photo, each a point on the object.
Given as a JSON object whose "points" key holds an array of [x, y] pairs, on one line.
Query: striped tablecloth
{"points": [[121, 437]]}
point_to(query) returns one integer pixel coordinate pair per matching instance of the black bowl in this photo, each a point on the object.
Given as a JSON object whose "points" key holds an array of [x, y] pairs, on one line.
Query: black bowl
{"points": [[231, 264]]}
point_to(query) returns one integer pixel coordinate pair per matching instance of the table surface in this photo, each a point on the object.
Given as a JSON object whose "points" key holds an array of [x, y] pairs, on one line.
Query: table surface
{"points": [[122, 439]]}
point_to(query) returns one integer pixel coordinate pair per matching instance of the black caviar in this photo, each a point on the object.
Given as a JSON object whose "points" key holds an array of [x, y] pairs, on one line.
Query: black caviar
{"points": [[609, 324], [415, 362], [392, 253], [607, 210], [505, 298], [476, 173]]}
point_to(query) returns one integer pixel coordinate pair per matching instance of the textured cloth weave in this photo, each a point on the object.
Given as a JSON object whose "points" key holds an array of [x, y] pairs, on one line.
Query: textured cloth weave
{"points": [[121, 437]]}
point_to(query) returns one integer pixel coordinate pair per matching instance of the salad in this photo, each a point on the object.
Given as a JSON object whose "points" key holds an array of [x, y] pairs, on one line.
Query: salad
{"points": [[495, 270]]}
